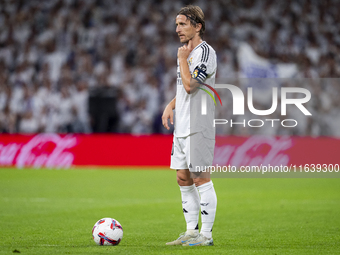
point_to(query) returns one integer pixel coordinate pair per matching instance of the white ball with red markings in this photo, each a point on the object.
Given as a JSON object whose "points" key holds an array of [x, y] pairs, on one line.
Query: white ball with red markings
{"points": [[107, 231]]}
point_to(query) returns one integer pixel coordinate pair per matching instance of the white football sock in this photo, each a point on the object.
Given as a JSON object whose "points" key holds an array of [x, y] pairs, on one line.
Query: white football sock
{"points": [[208, 207], [191, 206]]}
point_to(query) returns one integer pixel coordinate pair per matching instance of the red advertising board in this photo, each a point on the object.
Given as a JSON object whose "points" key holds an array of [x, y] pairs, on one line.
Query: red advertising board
{"points": [[276, 151], [64, 151]]}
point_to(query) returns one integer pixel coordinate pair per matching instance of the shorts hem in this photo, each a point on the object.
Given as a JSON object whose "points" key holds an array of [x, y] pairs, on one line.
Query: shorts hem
{"points": [[177, 168]]}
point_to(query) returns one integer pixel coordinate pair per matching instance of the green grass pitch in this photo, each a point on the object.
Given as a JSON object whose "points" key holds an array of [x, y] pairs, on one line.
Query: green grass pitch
{"points": [[53, 212]]}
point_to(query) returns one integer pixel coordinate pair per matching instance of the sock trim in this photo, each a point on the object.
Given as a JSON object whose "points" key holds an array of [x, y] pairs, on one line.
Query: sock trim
{"points": [[205, 186]]}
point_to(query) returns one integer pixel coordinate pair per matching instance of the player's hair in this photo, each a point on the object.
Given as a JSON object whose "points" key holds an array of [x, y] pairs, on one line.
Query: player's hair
{"points": [[195, 15]]}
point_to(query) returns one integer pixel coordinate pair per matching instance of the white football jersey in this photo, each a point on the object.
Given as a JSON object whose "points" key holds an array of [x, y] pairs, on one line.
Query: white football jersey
{"points": [[189, 119]]}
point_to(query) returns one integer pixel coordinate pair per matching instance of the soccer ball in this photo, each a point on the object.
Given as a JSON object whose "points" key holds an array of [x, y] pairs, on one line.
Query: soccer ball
{"points": [[107, 231]]}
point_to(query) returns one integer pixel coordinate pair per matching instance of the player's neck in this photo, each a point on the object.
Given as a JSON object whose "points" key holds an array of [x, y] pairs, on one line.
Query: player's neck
{"points": [[196, 41]]}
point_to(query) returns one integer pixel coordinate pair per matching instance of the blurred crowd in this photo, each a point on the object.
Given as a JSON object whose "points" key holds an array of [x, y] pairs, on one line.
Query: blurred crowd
{"points": [[53, 53]]}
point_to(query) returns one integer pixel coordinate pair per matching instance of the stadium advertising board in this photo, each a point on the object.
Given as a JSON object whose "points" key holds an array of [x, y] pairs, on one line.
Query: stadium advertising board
{"points": [[66, 151]]}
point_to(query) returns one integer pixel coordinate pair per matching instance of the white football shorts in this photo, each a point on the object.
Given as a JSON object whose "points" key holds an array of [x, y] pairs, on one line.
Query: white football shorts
{"points": [[193, 152]]}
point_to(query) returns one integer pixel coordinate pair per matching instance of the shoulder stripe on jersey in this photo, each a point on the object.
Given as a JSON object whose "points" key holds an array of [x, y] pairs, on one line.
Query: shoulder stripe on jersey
{"points": [[205, 53], [206, 60], [202, 53]]}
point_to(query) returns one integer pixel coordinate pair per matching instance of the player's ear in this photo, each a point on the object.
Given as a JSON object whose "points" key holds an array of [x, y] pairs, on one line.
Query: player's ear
{"points": [[198, 27]]}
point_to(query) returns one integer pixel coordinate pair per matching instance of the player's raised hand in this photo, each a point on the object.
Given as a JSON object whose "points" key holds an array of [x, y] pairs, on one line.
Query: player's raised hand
{"points": [[184, 51], [190, 45]]}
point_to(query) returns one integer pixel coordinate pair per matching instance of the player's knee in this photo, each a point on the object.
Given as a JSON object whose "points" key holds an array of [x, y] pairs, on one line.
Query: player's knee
{"points": [[200, 181], [182, 180], [197, 182]]}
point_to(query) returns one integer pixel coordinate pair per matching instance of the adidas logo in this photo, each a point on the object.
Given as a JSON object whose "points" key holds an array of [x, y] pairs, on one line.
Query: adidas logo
{"points": [[204, 213]]}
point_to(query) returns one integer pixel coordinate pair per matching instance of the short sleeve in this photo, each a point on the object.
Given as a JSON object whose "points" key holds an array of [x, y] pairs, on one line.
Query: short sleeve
{"points": [[204, 67]]}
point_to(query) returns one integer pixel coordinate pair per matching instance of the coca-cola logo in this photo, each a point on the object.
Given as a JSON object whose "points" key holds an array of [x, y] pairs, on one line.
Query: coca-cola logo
{"points": [[8, 153], [43, 150], [255, 151]]}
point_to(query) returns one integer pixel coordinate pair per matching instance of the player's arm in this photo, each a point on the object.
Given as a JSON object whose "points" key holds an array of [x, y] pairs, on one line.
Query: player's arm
{"points": [[185, 73], [169, 114], [189, 83]]}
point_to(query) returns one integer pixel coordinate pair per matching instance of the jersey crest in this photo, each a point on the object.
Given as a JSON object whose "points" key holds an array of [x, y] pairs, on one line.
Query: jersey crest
{"points": [[190, 61], [195, 73]]}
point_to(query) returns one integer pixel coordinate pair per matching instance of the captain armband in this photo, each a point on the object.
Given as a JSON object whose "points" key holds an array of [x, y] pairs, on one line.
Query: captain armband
{"points": [[199, 73]]}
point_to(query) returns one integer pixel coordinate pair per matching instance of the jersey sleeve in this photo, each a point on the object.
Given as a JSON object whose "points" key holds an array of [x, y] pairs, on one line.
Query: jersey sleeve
{"points": [[204, 66]]}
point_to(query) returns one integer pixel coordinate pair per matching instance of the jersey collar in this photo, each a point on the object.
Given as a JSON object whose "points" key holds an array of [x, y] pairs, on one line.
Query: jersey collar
{"points": [[198, 45]]}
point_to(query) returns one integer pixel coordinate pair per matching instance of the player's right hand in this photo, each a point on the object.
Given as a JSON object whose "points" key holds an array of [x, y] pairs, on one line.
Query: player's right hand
{"points": [[184, 51], [167, 114]]}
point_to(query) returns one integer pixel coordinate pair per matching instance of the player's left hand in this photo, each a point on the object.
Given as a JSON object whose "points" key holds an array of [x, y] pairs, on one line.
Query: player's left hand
{"points": [[167, 114], [184, 51]]}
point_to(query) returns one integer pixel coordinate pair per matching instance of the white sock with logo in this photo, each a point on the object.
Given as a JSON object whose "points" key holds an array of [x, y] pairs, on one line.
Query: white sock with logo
{"points": [[191, 207], [208, 207]]}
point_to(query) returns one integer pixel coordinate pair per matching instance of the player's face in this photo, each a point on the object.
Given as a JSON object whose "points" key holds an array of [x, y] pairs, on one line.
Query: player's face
{"points": [[184, 29]]}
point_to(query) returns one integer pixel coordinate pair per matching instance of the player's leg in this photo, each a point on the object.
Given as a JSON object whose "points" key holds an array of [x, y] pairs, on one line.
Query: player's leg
{"points": [[190, 200], [189, 193], [190, 205], [208, 203], [202, 151]]}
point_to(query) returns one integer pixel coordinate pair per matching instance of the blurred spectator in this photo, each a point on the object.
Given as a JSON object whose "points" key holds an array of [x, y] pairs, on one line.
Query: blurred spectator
{"points": [[52, 52], [80, 123], [28, 123]]}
